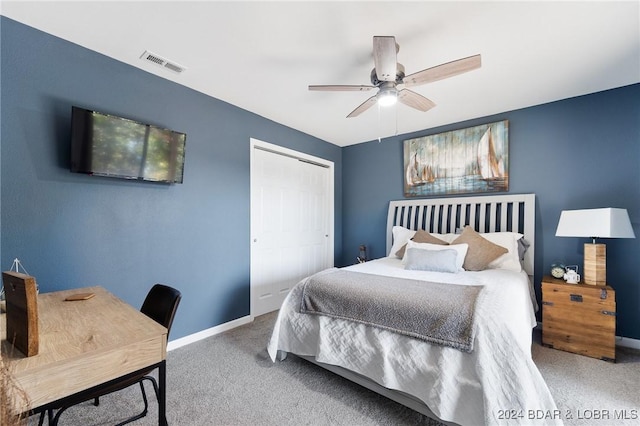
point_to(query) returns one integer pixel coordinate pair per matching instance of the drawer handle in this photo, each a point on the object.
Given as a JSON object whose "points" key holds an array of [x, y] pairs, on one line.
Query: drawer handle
{"points": [[576, 298]]}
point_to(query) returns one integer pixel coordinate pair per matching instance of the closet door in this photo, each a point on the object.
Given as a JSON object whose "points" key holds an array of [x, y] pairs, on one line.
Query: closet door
{"points": [[291, 218]]}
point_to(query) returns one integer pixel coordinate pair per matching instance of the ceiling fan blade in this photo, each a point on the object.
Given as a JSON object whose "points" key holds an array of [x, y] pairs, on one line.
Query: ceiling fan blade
{"points": [[363, 107], [443, 71], [414, 100], [384, 57], [340, 88]]}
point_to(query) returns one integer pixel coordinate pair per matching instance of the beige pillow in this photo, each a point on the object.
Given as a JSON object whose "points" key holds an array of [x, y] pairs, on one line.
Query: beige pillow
{"points": [[421, 237], [481, 251]]}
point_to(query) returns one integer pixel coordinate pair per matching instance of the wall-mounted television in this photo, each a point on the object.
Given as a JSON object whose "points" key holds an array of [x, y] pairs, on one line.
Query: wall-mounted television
{"points": [[111, 146]]}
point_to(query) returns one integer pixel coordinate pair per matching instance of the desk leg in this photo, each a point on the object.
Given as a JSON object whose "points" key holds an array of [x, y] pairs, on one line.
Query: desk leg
{"points": [[162, 384]]}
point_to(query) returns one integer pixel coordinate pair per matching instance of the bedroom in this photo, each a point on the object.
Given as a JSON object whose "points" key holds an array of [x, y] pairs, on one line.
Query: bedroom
{"points": [[126, 236]]}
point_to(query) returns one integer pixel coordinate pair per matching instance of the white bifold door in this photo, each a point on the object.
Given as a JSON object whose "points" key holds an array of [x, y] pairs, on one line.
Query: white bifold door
{"points": [[291, 221]]}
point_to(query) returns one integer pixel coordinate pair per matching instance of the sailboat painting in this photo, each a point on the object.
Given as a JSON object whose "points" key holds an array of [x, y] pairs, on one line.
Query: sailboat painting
{"points": [[471, 160]]}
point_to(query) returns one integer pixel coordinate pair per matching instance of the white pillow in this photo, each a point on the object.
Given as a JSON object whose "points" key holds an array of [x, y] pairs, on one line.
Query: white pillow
{"points": [[400, 237], [511, 259], [460, 248], [446, 237], [431, 260]]}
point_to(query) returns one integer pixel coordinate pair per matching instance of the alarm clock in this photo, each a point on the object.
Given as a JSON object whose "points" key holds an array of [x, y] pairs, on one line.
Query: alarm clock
{"points": [[558, 270]]}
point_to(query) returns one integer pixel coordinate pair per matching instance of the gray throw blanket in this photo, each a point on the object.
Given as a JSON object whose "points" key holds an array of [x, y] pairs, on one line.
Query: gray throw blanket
{"points": [[435, 312]]}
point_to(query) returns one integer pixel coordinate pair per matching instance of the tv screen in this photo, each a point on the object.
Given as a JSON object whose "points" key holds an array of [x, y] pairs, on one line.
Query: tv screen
{"points": [[106, 145]]}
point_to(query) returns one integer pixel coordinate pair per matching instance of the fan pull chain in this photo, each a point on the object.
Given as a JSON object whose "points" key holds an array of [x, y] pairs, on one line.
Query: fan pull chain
{"points": [[379, 119], [396, 107]]}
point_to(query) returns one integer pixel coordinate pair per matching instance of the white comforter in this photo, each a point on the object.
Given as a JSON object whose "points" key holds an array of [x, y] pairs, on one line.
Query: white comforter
{"points": [[497, 383]]}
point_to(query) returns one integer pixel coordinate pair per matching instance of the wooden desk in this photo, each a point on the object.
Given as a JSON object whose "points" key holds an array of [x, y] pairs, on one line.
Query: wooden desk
{"points": [[84, 344]]}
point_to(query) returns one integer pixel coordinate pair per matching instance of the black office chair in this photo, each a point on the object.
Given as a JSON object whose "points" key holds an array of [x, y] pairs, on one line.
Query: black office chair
{"points": [[160, 305]]}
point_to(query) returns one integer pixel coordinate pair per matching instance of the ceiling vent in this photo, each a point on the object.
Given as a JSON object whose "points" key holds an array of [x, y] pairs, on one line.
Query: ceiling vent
{"points": [[162, 62]]}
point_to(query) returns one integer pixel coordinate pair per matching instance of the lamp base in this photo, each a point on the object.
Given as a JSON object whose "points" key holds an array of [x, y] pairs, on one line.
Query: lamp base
{"points": [[595, 264]]}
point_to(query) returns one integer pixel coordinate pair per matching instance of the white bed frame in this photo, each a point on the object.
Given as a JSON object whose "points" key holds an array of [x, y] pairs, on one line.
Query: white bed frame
{"points": [[513, 213], [493, 213]]}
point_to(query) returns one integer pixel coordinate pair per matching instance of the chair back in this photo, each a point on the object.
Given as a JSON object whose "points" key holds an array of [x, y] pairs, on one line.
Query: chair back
{"points": [[161, 305]]}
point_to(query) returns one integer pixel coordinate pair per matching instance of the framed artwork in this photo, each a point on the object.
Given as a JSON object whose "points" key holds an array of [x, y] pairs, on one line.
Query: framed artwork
{"points": [[463, 161]]}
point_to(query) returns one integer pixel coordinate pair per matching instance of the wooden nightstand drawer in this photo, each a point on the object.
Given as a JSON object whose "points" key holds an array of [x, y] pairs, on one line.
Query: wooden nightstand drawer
{"points": [[579, 318]]}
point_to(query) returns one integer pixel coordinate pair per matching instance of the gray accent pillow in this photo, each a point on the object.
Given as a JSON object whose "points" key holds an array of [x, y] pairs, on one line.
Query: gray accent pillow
{"points": [[523, 246], [431, 260]]}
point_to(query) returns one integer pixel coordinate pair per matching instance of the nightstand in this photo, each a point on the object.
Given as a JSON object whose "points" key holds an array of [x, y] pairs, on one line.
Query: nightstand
{"points": [[579, 318]]}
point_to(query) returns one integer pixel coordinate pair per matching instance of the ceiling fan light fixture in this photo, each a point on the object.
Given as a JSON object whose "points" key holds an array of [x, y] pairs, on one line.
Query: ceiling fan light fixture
{"points": [[387, 97], [388, 74]]}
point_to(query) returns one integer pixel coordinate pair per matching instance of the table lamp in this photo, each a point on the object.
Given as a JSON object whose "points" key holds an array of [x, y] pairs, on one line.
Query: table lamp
{"points": [[595, 223]]}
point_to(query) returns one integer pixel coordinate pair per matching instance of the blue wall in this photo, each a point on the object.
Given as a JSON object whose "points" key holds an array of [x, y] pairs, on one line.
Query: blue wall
{"points": [[577, 153], [73, 230]]}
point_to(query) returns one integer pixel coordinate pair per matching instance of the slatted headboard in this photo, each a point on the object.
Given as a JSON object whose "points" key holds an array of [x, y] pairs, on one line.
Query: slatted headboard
{"points": [[492, 213]]}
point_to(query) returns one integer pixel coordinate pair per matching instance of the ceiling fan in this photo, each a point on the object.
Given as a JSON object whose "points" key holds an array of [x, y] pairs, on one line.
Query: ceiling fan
{"points": [[388, 74]]}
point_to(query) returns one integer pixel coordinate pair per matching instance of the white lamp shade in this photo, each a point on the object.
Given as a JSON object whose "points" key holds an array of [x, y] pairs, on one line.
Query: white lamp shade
{"points": [[595, 223]]}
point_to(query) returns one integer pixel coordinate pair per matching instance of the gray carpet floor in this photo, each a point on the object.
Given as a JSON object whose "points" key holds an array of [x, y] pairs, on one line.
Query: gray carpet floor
{"points": [[229, 379]]}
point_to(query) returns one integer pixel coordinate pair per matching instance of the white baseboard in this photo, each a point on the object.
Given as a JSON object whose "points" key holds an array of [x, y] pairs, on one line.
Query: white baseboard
{"points": [[627, 342], [183, 341]]}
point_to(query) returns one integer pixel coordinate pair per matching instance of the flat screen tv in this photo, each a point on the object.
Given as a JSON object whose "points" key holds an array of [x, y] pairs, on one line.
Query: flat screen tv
{"points": [[106, 145]]}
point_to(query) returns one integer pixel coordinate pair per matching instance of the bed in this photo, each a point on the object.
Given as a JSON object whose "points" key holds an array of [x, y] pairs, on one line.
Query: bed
{"points": [[482, 376]]}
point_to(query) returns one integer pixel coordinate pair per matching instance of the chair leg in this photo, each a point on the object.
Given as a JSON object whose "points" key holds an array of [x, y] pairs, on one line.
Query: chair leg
{"points": [[53, 420], [49, 413], [146, 405], [96, 401], [155, 386], [56, 418]]}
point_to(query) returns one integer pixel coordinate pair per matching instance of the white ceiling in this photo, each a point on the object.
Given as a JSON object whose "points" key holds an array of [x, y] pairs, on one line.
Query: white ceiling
{"points": [[261, 56]]}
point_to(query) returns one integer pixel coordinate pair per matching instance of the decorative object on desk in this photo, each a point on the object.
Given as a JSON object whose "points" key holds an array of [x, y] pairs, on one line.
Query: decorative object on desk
{"points": [[469, 160], [10, 391], [362, 257], [15, 266], [558, 270], [571, 276], [79, 296], [595, 223], [22, 311]]}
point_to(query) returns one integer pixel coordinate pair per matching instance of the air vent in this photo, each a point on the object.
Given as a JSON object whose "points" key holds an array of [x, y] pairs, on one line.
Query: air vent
{"points": [[162, 62]]}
